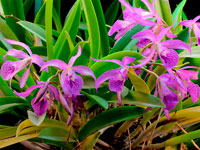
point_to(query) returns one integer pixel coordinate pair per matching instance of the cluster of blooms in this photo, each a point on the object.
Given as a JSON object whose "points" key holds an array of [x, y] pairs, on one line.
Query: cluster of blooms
{"points": [[168, 87]]}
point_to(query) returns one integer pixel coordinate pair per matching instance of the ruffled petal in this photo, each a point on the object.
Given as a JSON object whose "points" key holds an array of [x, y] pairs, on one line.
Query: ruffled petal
{"points": [[28, 92], [118, 25], [169, 58], [19, 43], [83, 70], [176, 44], [193, 89], [106, 75], [40, 107], [73, 58], [146, 34], [8, 69], [15, 53], [72, 84], [55, 63], [24, 77], [187, 74], [116, 83]]}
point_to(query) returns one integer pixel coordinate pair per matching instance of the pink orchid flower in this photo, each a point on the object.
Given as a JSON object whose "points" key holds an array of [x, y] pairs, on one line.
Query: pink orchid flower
{"points": [[193, 25], [165, 49], [116, 77], [71, 82], [132, 16], [10, 68], [40, 103]]}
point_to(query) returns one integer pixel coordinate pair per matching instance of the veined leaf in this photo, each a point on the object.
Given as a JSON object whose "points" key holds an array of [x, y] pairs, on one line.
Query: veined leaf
{"points": [[93, 28], [109, 117], [33, 28]]}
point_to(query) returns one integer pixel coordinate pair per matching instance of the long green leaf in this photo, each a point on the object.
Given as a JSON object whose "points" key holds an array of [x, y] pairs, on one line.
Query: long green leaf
{"points": [[111, 12], [102, 28], [48, 29], [109, 117], [93, 28], [5, 88]]}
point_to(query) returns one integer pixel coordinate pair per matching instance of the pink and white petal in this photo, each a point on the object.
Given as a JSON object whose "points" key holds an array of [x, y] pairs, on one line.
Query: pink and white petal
{"points": [[40, 107], [24, 77], [72, 85], [8, 69], [146, 34], [28, 92], [187, 23], [55, 63], [73, 58], [127, 60], [170, 35], [36, 59], [176, 44], [118, 25], [83, 70], [15, 53], [116, 83], [20, 44], [106, 75], [169, 57], [193, 89]]}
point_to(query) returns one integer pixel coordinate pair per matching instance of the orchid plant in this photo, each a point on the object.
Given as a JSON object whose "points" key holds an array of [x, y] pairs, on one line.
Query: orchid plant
{"points": [[68, 83]]}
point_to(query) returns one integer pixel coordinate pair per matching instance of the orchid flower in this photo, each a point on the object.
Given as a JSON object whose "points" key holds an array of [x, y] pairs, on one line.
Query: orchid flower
{"points": [[132, 16], [71, 82], [193, 25], [40, 103], [10, 68], [169, 97], [116, 77], [165, 49]]}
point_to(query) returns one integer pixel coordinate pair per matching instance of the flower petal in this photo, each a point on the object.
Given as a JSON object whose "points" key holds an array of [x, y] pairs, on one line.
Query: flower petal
{"points": [[55, 63], [116, 83], [40, 107], [106, 75], [19, 43], [64, 103], [169, 58], [146, 34], [193, 89], [112, 60], [28, 92], [8, 69], [127, 60], [72, 85], [188, 74], [83, 70], [73, 58], [24, 77], [15, 53], [118, 25], [176, 44], [53, 90]]}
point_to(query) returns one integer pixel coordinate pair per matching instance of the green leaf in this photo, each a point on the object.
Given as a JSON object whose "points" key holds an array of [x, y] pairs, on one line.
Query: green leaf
{"points": [[93, 28], [104, 46], [5, 88], [138, 83], [109, 117], [7, 132], [90, 141], [100, 67], [177, 14], [7, 106], [34, 28], [111, 12], [123, 42], [195, 53], [27, 6], [35, 119], [11, 99], [14, 8], [48, 29], [166, 12], [55, 134]]}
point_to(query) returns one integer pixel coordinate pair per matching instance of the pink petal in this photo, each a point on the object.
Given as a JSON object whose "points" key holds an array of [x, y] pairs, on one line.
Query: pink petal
{"points": [[116, 83], [83, 70], [19, 43], [127, 60], [72, 85], [169, 58], [146, 34], [73, 58], [55, 92], [176, 44], [196, 18], [42, 91], [55, 63], [28, 92], [127, 5], [112, 60], [8, 69], [15, 53], [193, 89], [106, 75], [162, 33], [187, 23], [40, 107], [118, 25], [119, 97], [24, 77], [64, 103], [188, 74], [196, 31]]}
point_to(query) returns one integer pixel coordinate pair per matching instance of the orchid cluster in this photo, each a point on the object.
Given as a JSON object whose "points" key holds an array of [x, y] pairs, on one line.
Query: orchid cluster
{"points": [[169, 86]]}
